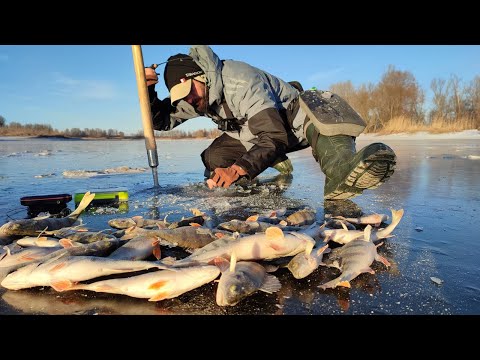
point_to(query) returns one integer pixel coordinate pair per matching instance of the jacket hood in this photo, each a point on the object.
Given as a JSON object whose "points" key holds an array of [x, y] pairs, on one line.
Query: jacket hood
{"points": [[212, 66]]}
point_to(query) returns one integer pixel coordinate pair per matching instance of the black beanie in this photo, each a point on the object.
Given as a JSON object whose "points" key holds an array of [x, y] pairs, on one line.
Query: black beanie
{"points": [[179, 68]]}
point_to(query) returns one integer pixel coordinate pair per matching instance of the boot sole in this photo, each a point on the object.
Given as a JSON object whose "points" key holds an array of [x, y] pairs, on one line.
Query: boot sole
{"points": [[368, 174]]}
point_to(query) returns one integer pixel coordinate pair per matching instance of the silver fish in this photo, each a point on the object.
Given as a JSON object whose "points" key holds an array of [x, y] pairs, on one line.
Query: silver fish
{"points": [[372, 219], [42, 241], [31, 227], [154, 286], [353, 259], [187, 237], [12, 262], [344, 236], [272, 244], [241, 279], [71, 269]]}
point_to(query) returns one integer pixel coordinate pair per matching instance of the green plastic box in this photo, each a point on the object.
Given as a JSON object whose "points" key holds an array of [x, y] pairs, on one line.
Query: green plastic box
{"points": [[104, 196]]}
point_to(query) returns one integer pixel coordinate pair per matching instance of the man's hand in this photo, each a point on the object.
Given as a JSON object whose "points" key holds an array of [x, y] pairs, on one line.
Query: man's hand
{"points": [[151, 76], [225, 177]]}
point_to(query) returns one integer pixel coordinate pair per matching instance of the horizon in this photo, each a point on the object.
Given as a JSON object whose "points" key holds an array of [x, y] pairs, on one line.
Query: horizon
{"points": [[94, 86]]}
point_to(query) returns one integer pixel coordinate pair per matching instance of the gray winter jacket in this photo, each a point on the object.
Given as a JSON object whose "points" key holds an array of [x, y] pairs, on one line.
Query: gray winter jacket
{"points": [[258, 105]]}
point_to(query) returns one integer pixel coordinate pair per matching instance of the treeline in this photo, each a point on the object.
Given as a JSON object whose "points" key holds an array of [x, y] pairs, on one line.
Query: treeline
{"points": [[17, 129], [397, 103]]}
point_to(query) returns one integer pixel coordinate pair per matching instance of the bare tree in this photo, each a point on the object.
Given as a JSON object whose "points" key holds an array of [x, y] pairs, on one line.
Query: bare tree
{"points": [[345, 90], [456, 100], [398, 94], [472, 93], [439, 99], [360, 99]]}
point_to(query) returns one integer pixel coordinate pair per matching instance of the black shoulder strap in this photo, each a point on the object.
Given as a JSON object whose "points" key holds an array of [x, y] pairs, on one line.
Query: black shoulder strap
{"points": [[227, 110]]}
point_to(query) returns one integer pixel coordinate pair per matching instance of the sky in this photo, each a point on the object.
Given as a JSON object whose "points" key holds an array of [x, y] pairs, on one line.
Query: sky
{"points": [[94, 86]]}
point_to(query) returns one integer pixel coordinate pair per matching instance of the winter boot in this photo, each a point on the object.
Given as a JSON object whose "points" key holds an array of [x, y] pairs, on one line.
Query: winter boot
{"points": [[284, 167], [347, 172]]}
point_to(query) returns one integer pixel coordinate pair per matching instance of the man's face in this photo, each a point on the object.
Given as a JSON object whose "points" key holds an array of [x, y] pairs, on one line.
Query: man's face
{"points": [[197, 97]]}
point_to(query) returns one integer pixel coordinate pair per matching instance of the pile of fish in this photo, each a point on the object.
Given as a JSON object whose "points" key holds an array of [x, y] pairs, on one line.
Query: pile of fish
{"points": [[242, 254]]}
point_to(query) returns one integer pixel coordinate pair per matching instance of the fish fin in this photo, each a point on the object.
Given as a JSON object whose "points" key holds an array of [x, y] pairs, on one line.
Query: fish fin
{"points": [[221, 263], [41, 238], [43, 231], [8, 251], [309, 248], [58, 267], [157, 252], [55, 258], [130, 229], [270, 284], [367, 233], [323, 250], [233, 261], [342, 280], [273, 233], [252, 218], [379, 244], [62, 285], [396, 215], [67, 243], [344, 283], [194, 224], [219, 235], [283, 223], [368, 270], [158, 284], [159, 296], [382, 260]]}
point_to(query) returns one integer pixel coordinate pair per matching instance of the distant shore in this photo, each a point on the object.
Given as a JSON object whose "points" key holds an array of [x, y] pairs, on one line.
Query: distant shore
{"points": [[465, 134]]}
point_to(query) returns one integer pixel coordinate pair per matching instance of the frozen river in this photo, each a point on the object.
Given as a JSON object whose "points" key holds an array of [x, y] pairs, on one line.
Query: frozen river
{"points": [[436, 183]]}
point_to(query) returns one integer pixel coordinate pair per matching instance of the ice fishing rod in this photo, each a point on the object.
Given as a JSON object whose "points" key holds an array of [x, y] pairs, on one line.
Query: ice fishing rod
{"points": [[150, 143]]}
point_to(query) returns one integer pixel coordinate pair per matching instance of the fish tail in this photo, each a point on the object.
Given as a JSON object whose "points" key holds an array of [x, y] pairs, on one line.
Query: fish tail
{"points": [[86, 200], [396, 217], [342, 280]]}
